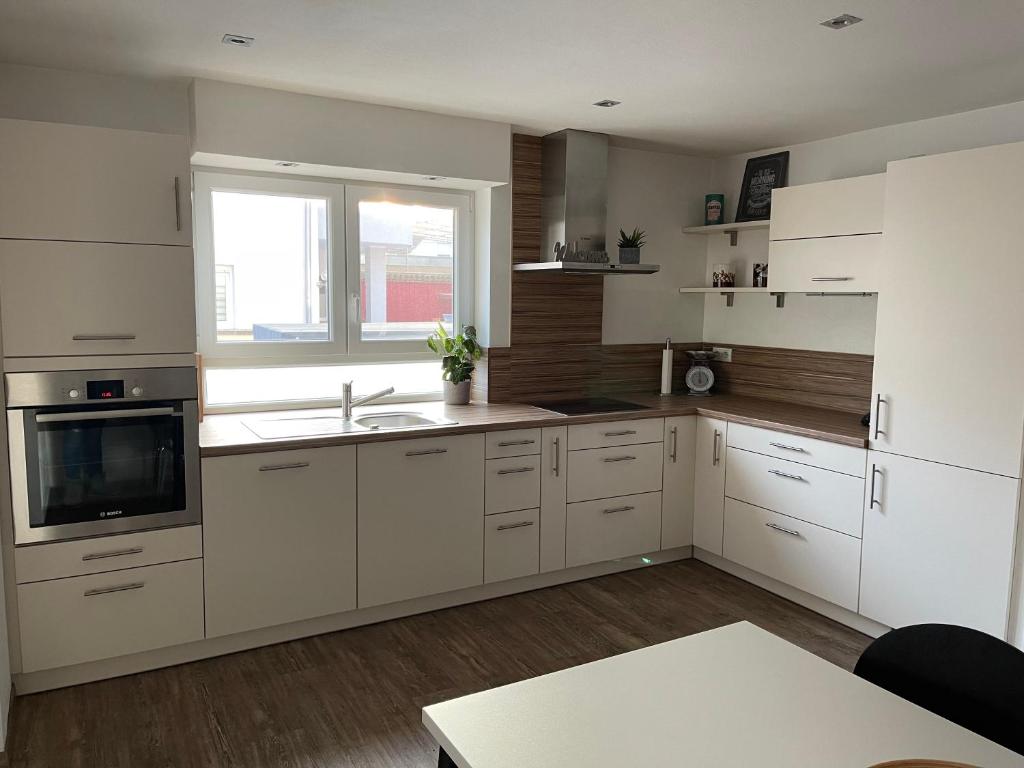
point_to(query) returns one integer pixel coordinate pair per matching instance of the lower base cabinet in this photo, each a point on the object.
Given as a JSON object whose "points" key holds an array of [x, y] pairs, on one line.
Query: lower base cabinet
{"points": [[607, 529], [511, 545], [99, 616], [709, 484], [279, 534], [677, 485]]}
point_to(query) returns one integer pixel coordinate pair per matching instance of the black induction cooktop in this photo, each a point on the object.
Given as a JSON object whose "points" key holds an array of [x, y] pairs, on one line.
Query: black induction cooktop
{"points": [[589, 405]]}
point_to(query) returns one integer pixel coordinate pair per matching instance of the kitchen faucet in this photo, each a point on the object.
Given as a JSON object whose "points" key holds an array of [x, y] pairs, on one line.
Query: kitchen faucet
{"points": [[347, 403]]}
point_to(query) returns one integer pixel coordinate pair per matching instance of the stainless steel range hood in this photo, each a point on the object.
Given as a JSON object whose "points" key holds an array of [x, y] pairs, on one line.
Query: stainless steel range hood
{"points": [[575, 202]]}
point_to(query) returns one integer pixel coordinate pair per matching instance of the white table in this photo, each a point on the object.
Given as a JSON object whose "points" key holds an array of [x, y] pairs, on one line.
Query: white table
{"points": [[734, 696]]}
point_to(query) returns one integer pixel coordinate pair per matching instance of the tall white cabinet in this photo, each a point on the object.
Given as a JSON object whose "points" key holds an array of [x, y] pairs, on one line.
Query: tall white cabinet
{"points": [[948, 406]]}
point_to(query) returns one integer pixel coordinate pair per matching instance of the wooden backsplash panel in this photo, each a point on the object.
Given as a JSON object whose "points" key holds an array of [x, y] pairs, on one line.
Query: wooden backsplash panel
{"points": [[526, 198], [827, 379], [556, 309], [637, 367]]}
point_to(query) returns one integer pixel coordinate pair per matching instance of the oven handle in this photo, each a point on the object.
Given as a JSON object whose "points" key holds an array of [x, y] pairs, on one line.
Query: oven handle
{"points": [[127, 413]]}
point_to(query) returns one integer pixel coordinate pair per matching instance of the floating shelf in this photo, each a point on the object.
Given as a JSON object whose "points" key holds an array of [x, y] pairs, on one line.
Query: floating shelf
{"points": [[732, 230], [730, 293]]}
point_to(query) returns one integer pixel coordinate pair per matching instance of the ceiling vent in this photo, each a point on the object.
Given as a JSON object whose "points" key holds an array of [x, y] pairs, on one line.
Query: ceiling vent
{"points": [[842, 22], [239, 40]]}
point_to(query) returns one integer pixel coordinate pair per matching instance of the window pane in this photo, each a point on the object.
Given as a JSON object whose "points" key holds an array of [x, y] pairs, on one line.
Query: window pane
{"points": [[406, 270], [271, 268]]}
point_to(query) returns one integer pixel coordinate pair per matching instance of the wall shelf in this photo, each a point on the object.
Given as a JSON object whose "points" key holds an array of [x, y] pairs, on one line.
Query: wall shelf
{"points": [[730, 293], [732, 230]]}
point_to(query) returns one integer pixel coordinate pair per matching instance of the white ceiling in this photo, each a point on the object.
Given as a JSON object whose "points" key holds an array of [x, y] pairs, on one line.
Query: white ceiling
{"points": [[706, 76]]}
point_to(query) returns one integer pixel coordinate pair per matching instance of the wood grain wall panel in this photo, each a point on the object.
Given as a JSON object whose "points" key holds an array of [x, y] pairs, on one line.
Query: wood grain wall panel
{"points": [[526, 198], [637, 367], [556, 309]]}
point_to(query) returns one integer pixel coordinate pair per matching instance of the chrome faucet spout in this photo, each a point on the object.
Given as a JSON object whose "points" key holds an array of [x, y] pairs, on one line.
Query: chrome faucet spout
{"points": [[348, 402]]}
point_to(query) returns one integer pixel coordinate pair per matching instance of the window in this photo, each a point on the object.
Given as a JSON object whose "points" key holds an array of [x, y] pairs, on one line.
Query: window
{"points": [[307, 273]]}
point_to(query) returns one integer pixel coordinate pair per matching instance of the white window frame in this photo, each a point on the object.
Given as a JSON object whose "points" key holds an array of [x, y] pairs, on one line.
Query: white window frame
{"points": [[462, 277]]}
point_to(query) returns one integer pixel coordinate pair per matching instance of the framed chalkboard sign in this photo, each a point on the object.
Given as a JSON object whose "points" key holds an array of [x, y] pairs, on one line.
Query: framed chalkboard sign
{"points": [[763, 174]]}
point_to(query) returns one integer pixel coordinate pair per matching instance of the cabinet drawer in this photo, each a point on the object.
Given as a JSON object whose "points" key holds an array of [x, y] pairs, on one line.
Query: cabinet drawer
{"points": [[109, 553], [512, 483], [511, 545], [95, 299], [512, 442], [610, 528], [601, 473], [803, 450], [816, 495], [816, 560], [825, 265], [86, 618], [582, 436], [853, 206]]}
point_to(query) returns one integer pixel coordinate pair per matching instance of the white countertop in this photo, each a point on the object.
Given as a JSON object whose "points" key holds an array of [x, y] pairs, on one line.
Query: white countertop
{"points": [[734, 696]]}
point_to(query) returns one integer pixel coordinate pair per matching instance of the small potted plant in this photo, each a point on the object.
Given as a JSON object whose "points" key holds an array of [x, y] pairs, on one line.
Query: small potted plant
{"points": [[458, 355], [630, 245]]}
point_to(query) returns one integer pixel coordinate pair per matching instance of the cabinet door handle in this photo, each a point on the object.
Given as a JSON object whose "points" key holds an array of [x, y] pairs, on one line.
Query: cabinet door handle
{"points": [[103, 337], [779, 528], [785, 447], [515, 471], [878, 415], [427, 452], [510, 526], [714, 449], [831, 279], [674, 432], [620, 433], [177, 203], [611, 459], [118, 588], [557, 468], [874, 502], [613, 510], [510, 443], [276, 467], [779, 473], [113, 553]]}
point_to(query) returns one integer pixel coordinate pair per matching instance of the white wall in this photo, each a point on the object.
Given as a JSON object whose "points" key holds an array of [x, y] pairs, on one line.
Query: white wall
{"points": [[658, 192]]}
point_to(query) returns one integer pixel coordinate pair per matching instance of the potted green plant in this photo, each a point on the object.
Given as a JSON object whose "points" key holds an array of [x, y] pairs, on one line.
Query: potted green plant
{"points": [[630, 245], [458, 355]]}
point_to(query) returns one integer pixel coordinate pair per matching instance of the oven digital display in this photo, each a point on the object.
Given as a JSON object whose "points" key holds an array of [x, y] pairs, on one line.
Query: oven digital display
{"points": [[112, 389]]}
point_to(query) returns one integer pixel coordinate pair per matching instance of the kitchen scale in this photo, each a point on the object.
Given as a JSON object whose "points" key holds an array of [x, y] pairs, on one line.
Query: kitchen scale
{"points": [[700, 378]]}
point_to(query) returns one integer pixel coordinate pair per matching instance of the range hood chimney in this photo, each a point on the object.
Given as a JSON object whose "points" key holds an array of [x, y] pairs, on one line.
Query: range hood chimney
{"points": [[574, 208]]}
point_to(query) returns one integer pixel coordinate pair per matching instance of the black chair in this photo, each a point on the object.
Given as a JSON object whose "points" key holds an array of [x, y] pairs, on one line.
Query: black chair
{"points": [[961, 674]]}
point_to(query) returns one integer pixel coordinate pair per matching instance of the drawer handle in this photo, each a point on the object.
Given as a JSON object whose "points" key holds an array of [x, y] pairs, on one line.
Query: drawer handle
{"points": [[510, 443], [831, 279], [115, 553], [620, 433], [427, 452], [276, 467], [118, 588], [788, 531], [786, 475], [785, 447], [510, 526], [618, 458], [103, 337], [515, 471], [613, 510]]}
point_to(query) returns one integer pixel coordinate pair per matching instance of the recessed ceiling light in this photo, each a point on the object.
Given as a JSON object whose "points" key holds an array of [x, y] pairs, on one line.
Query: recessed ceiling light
{"points": [[607, 103], [287, 164], [240, 40], [842, 22]]}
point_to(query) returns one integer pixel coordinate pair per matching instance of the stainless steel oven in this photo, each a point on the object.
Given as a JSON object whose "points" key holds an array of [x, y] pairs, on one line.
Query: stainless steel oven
{"points": [[100, 452]]}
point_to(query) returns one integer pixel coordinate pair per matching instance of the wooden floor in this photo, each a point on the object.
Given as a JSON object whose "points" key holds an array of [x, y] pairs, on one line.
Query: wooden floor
{"points": [[353, 698]]}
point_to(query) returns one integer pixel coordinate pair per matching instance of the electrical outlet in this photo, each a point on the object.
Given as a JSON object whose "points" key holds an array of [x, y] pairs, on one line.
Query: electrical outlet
{"points": [[723, 354]]}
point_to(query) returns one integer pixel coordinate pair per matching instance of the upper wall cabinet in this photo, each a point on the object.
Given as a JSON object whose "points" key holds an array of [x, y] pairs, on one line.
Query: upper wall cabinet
{"points": [[80, 183], [853, 206]]}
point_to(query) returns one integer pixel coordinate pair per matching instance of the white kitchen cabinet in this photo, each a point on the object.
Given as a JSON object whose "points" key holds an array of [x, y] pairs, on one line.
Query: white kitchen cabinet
{"points": [[511, 545], [609, 433], [512, 442], [825, 265], [279, 533], [951, 311], [421, 517], [853, 206], [601, 473], [847, 459], [606, 529], [554, 459], [709, 484], [95, 299], [102, 615], [938, 544], [512, 483], [83, 183], [677, 494]]}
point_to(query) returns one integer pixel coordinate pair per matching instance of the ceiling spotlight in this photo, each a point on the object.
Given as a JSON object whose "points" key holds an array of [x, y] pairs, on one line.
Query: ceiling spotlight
{"points": [[287, 164], [841, 22], [607, 103], [240, 40]]}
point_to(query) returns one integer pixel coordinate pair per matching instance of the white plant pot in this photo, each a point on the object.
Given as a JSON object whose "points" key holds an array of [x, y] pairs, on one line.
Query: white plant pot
{"points": [[457, 394]]}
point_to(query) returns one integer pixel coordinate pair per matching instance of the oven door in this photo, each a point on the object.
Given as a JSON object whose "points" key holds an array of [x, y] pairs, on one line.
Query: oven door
{"points": [[96, 470]]}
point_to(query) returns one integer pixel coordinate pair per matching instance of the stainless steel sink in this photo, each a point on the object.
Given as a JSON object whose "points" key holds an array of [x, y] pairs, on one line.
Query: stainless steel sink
{"points": [[398, 420], [301, 426]]}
